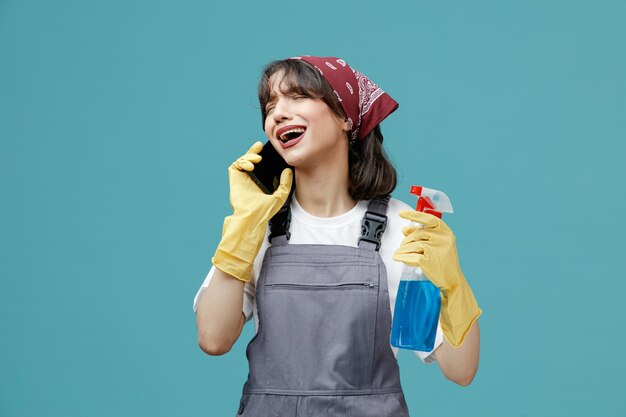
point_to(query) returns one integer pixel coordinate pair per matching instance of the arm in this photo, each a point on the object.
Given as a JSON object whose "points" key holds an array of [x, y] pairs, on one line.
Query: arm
{"points": [[432, 247], [460, 364], [219, 318]]}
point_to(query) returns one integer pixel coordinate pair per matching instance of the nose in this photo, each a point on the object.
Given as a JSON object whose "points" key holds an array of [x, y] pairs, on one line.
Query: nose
{"points": [[281, 110]]}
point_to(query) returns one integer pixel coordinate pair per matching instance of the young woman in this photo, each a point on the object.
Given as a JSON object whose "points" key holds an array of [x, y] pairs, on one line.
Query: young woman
{"points": [[320, 279]]}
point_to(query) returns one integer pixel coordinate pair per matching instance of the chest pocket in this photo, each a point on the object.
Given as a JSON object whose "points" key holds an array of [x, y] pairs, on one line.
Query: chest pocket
{"points": [[321, 320]]}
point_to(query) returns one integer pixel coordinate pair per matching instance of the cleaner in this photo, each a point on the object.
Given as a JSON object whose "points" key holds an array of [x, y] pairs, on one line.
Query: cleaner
{"points": [[419, 301]]}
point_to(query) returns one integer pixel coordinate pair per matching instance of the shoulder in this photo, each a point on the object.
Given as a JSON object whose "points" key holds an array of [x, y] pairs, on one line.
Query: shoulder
{"points": [[395, 206], [393, 233], [393, 214]]}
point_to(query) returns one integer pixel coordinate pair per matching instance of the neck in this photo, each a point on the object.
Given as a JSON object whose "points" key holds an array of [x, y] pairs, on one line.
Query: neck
{"points": [[323, 192]]}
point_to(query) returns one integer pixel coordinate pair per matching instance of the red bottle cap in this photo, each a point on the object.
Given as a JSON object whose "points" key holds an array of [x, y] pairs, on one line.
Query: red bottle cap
{"points": [[424, 203]]}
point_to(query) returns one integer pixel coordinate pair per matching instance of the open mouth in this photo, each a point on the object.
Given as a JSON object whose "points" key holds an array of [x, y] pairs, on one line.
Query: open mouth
{"points": [[291, 134]]}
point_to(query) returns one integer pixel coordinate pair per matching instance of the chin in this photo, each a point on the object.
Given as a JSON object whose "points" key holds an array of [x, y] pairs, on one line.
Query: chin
{"points": [[294, 161], [294, 157]]}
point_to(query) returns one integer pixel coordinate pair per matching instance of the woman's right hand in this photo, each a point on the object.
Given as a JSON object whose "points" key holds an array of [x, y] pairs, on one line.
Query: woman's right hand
{"points": [[246, 198], [243, 231]]}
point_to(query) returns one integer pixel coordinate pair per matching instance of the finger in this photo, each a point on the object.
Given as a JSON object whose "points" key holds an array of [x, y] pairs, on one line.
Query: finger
{"points": [[252, 157], [409, 259], [286, 178], [407, 230], [413, 229], [412, 247], [243, 164], [428, 220], [255, 148], [417, 236]]}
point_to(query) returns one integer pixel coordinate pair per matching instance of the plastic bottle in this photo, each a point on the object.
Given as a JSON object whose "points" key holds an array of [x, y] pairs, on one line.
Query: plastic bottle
{"points": [[418, 301]]}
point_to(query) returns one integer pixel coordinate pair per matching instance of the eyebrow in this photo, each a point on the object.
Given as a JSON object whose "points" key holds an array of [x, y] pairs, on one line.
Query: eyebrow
{"points": [[270, 100], [273, 96]]}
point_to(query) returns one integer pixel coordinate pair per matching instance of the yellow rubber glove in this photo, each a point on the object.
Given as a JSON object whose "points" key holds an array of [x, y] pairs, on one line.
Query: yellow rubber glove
{"points": [[244, 230], [433, 249]]}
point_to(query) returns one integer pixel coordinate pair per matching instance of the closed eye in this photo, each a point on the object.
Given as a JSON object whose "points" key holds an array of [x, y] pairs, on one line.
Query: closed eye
{"points": [[270, 105]]}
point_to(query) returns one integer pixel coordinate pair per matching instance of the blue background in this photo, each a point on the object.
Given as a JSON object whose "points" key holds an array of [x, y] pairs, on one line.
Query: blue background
{"points": [[118, 121]]}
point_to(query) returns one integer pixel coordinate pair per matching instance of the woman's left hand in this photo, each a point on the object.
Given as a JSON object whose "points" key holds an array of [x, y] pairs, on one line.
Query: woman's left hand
{"points": [[433, 249]]}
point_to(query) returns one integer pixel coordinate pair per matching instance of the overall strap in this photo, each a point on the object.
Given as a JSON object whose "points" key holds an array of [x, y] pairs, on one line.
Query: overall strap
{"points": [[279, 224], [374, 223]]}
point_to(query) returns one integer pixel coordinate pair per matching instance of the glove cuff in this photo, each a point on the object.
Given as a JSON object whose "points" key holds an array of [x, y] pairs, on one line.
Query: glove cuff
{"points": [[238, 248], [232, 265], [459, 310]]}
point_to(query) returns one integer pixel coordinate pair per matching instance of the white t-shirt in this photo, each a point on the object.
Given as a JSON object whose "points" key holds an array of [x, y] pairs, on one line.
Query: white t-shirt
{"points": [[344, 229]]}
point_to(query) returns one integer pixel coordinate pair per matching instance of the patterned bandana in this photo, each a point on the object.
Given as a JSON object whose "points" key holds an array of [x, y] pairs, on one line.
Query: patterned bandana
{"points": [[365, 111]]}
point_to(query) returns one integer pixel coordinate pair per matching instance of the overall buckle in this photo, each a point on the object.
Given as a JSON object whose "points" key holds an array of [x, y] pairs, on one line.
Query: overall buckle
{"points": [[372, 227]]}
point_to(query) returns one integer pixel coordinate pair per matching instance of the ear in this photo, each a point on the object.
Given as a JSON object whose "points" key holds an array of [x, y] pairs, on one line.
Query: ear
{"points": [[346, 125]]}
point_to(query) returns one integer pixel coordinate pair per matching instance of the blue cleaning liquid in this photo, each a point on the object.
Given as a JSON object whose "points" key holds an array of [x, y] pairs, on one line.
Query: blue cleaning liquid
{"points": [[416, 315]]}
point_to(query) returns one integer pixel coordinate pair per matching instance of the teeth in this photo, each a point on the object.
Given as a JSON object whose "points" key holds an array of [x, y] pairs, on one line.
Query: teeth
{"points": [[283, 137]]}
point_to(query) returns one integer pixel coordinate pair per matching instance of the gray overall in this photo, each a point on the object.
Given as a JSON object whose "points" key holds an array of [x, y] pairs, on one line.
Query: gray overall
{"points": [[322, 345]]}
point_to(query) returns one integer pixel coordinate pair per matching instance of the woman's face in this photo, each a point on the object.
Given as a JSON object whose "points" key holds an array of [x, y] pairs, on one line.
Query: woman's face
{"points": [[304, 130]]}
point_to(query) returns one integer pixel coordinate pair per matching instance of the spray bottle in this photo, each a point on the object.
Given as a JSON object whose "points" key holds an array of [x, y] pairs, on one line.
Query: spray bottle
{"points": [[419, 301]]}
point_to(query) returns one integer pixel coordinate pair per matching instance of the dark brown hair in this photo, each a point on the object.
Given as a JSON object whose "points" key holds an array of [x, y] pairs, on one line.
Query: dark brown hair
{"points": [[371, 172]]}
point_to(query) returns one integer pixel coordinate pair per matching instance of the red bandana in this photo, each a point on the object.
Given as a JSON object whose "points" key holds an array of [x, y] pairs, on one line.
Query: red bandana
{"points": [[364, 111]]}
